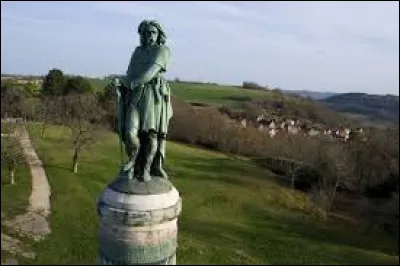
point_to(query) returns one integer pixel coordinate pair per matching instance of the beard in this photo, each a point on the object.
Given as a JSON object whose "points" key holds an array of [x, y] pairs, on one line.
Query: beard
{"points": [[150, 41]]}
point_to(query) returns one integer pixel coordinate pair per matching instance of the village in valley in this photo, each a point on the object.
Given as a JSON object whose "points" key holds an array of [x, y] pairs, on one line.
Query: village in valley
{"points": [[276, 126]]}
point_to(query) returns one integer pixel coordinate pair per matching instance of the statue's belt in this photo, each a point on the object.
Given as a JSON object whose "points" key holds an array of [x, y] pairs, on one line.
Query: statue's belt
{"points": [[159, 86]]}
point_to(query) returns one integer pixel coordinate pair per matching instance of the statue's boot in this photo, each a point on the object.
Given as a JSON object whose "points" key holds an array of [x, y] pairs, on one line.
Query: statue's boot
{"points": [[128, 167], [157, 169], [149, 156]]}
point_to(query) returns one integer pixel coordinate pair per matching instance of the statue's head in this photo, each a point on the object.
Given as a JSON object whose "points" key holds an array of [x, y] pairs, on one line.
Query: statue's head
{"points": [[151, 33]]}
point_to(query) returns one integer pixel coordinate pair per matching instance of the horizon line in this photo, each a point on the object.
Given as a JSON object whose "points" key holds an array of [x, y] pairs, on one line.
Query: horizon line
{"points": [[210, 82]]}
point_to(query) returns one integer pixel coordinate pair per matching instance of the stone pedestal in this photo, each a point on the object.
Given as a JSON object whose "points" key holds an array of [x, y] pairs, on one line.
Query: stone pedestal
{"points": [[138, 222]]}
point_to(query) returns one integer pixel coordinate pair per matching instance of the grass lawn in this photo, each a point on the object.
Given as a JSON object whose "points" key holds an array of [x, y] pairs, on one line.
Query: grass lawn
{"points": [[14, 198], [233, 211], [7, 127]]}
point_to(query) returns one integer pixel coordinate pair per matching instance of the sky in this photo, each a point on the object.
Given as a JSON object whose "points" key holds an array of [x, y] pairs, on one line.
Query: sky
{"points": [[317, 46]]}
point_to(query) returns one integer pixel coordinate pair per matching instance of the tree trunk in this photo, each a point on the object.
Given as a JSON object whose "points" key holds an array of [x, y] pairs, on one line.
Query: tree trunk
{"points": [[293, 172], [333, 194], [75, 162], [43, 133], [12, 176], [293, 176]]}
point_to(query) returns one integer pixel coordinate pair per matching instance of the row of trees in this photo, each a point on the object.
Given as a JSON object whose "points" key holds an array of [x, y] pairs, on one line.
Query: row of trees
{"points": [[333, 173], [63, 100], [56, 83], [362, 167]]}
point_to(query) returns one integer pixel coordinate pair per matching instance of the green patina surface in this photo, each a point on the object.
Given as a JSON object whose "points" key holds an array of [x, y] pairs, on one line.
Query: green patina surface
{"points": [[123, 253], [143, 104], [156, 185]]}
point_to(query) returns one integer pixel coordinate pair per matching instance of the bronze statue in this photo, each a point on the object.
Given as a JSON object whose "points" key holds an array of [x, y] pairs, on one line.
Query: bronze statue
{"points": [[144, 105]]}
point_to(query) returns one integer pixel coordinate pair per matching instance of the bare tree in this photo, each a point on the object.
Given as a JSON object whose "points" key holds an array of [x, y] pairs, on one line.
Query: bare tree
{"points": [[29, 108], [47, 111], [296, 149], [82, 115], [11, 151], [376, 160], [341, 168], [12, 100]]}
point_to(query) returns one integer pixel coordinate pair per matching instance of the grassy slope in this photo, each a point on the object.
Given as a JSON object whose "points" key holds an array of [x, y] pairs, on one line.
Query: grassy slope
{"points": [[232, 211], [216, 94], [207, 93]]}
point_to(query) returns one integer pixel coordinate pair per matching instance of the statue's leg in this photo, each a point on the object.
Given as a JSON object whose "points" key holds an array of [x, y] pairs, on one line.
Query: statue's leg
{"points": [[150, 151], [158, 161], [132, 142]]}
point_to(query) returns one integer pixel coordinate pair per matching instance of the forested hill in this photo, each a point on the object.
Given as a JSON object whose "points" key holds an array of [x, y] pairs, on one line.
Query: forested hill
{"points": [[374, 107]]}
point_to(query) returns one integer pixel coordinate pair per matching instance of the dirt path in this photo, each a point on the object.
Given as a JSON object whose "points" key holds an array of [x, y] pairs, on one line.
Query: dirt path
{"points": [[39, 200], [33, 223]]}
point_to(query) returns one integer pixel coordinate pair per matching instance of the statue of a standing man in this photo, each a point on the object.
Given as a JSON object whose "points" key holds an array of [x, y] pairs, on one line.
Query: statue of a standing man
{"points": [[144, 105]]}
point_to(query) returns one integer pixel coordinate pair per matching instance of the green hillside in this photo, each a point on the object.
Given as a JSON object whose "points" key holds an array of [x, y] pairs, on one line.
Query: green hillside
{"points": [[217, 94], [252, 101], [233, 211], [212, 94]]}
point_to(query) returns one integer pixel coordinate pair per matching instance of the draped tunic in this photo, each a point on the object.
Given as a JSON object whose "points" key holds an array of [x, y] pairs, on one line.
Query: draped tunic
{"points": [[147, 107]]}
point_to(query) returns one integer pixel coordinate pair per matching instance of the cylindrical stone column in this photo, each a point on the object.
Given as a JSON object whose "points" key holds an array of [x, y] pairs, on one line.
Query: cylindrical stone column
{"points": [[138, 222]]}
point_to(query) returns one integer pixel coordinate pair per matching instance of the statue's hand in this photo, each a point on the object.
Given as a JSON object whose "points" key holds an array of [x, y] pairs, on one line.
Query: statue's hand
{"points": [[115, 82], [135, 85], [118, 91], [117, 86]]}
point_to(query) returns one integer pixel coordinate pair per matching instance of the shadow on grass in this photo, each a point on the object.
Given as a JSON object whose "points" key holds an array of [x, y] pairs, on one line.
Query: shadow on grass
{"points": [[329, 232], [278, 175], [269, 239]]}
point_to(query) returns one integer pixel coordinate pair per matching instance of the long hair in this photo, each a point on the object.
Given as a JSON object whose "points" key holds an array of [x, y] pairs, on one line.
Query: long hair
{"points": [[162, 37]]}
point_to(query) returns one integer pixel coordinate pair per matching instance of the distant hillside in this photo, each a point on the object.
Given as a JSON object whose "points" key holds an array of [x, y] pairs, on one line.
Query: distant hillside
{"points": [[379, 108], [249, 103], [315, 95]]}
